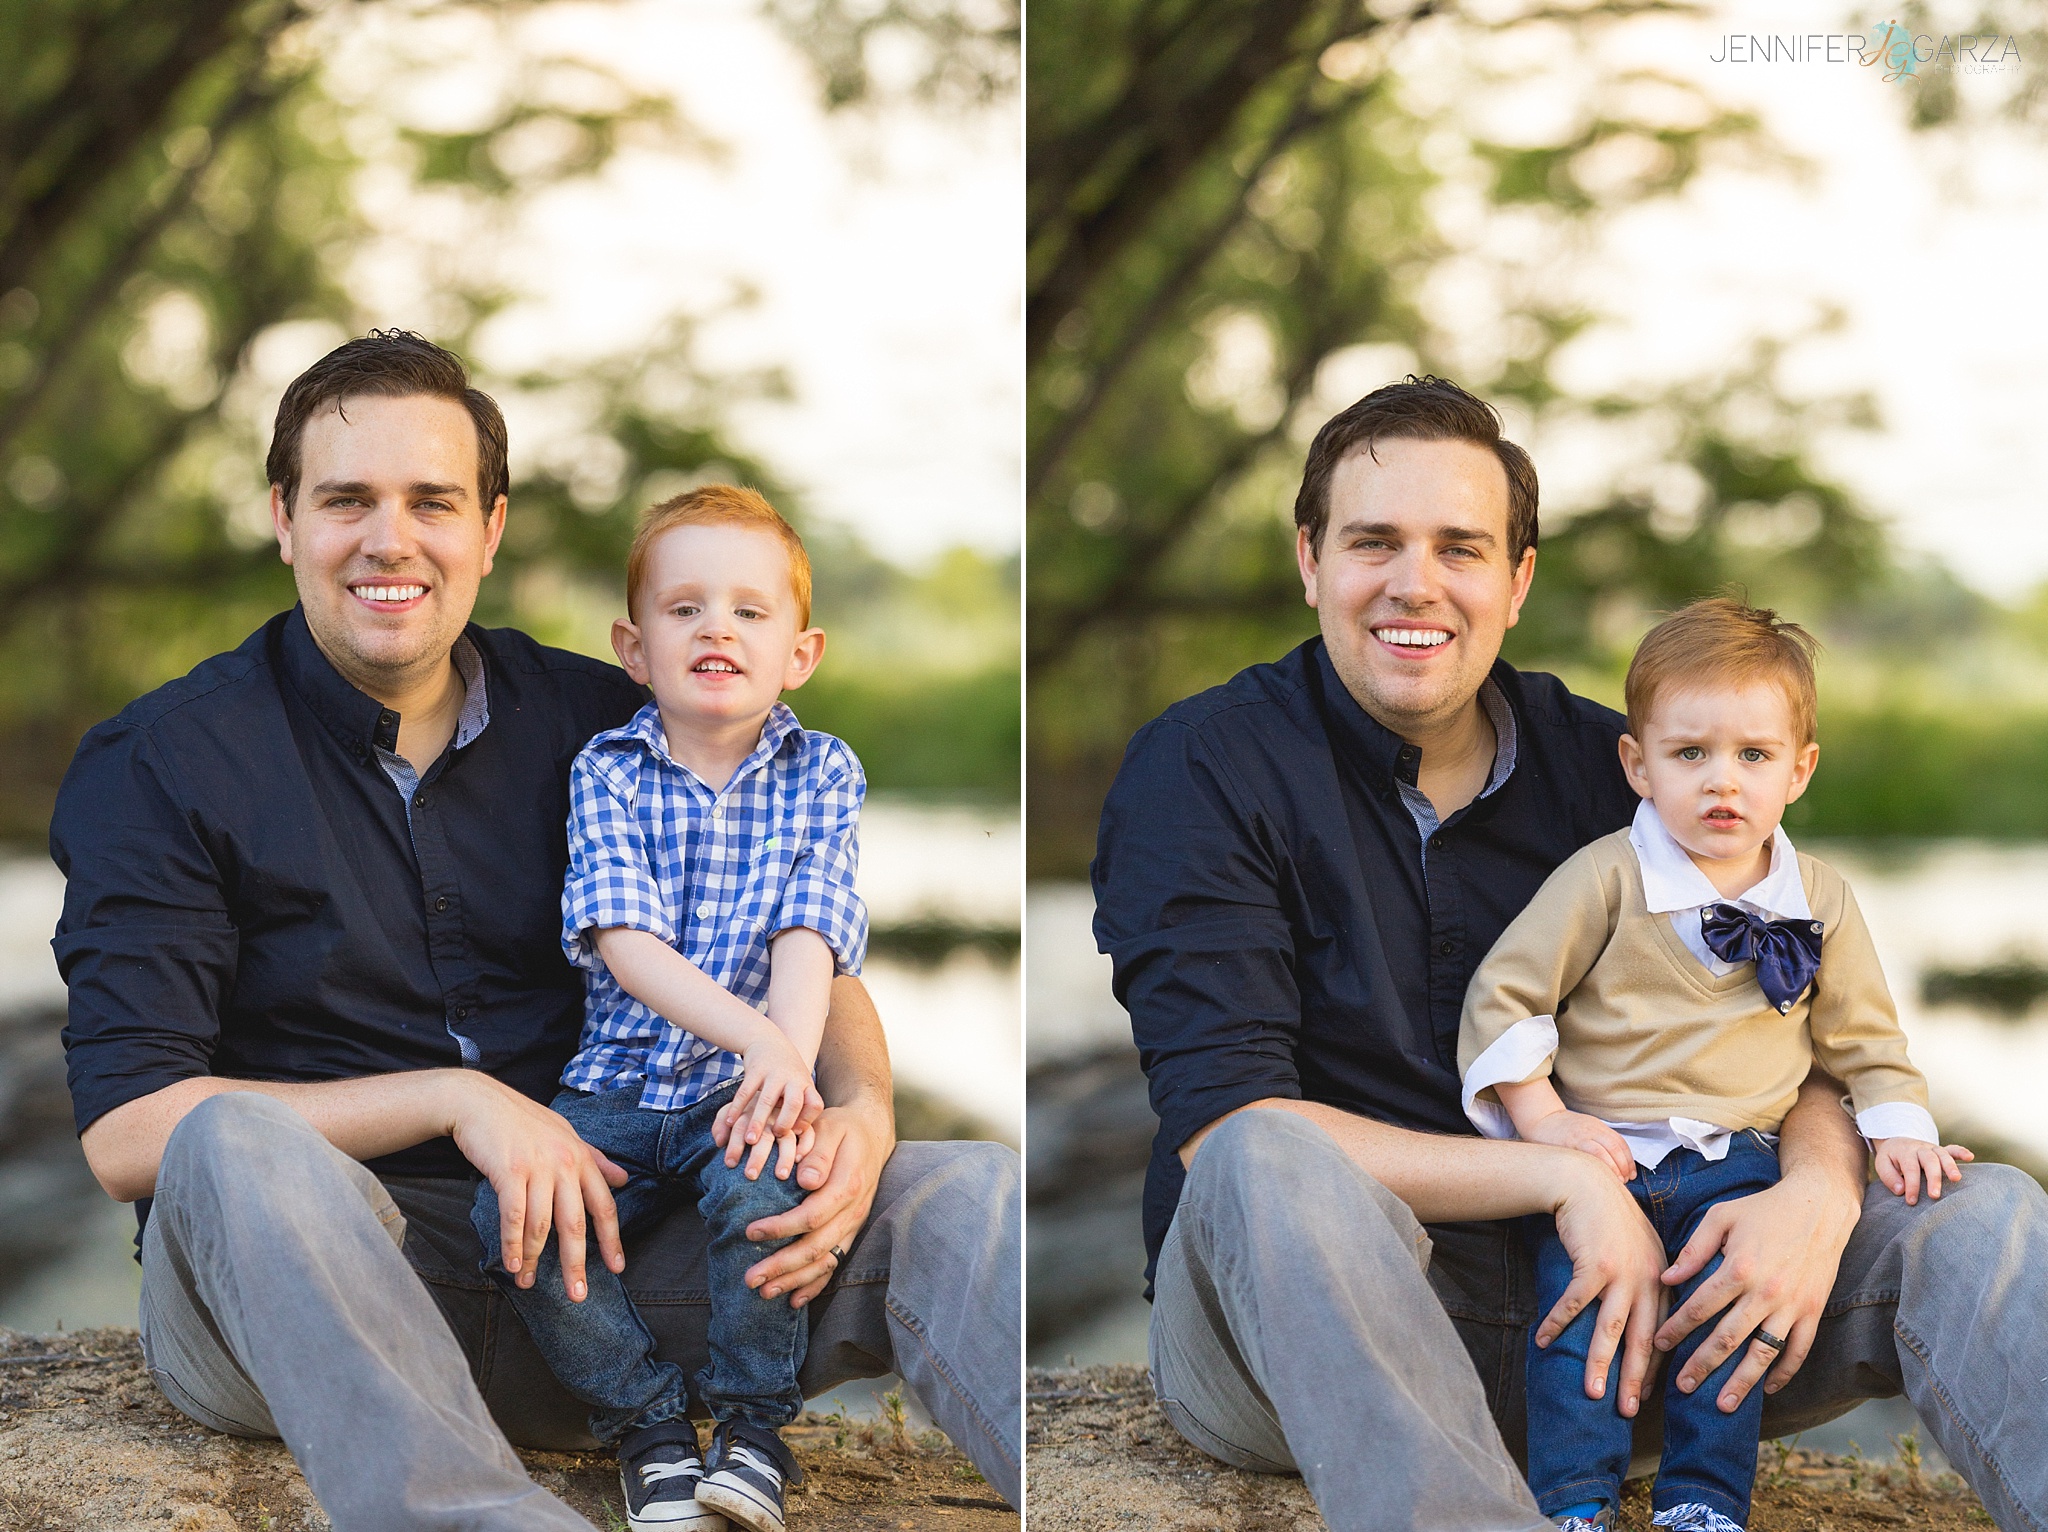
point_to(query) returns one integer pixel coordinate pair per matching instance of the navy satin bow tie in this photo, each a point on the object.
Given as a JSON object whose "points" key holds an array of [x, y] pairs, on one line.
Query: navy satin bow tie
{"points": [[1786, 952]]}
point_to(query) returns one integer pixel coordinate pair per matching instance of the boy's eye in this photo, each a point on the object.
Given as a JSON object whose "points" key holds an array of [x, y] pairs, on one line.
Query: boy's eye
{"points": [[1753, 755], [1691, 753], [750, 612], [684, 609]]}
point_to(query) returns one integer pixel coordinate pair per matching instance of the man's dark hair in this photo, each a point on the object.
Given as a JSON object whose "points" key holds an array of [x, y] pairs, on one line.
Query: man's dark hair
{"points": [[1425, 409], [389, 364]]}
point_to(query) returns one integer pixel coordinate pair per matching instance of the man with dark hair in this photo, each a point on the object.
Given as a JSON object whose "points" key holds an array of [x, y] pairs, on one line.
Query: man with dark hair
{"points": [[1297, 874], [311, 938]]}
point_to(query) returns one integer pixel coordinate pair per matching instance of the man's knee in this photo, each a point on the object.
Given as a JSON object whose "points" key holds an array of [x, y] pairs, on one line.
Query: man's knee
{"points": [[1993, 1208], [235, 1129], [1272, 1165]]}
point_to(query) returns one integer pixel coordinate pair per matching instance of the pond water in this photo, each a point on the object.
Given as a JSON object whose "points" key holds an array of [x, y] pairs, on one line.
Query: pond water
{"points": [[955, 1029], [1943, 905]]}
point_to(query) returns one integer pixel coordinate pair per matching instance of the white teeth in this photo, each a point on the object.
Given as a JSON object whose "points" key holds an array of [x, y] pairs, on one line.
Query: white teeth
{"points": [[1413, 638], [390, 592], [721, 667]]}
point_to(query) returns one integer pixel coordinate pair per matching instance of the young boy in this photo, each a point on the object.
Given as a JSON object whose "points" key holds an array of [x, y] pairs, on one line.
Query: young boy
{"points": [[712, 845], [1658, 1004]]}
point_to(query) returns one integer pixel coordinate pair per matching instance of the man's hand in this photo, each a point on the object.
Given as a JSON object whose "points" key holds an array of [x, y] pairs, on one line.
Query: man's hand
{"points": [[1615, 1258], [1779, 1252], [1901, 1162], [1589, 1135], [840, 1172], [545, 1177]]}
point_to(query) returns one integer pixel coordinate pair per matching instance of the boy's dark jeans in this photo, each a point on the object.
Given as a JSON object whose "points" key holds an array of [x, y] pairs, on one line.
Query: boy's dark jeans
{"points": [[1579, 1447], [600, 1349]]}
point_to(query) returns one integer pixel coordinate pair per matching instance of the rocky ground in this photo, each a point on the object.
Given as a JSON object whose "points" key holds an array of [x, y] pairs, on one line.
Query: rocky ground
{"points": [[1102, 1458], [87, 1441]]}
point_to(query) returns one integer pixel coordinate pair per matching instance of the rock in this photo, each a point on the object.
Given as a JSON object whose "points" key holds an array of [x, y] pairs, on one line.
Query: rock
{"points": [[1101, 1457], [86, 1440]]}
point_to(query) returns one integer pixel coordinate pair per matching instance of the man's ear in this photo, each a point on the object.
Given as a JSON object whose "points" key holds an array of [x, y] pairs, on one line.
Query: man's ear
{"points": [[281, 522], [1634, 767], [1525, 572], [803, 661], [626, 645], [494, 531], [1305, 556]]}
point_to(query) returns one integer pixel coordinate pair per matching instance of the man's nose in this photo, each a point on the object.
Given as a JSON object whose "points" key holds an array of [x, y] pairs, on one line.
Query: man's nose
{"points": [[388, 533], [1411, 577]]}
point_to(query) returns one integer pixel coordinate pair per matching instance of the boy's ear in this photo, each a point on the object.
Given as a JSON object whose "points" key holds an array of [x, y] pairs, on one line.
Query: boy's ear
{"points": [[626, 645], [1632, 765], [1802, 769], [810, 648]]}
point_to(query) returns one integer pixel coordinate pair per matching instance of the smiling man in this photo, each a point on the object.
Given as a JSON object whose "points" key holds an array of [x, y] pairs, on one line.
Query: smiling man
{"points": [[1297, 874], [311, 936]]}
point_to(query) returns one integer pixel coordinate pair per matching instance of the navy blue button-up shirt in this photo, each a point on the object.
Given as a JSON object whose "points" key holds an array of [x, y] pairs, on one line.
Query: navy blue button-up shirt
{"points": [[1260, 887], [246, 897]]}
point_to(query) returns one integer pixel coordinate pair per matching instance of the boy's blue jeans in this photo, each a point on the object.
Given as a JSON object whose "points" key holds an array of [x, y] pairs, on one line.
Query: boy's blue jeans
{"points": [[599, 1348], [1579, 1447]]}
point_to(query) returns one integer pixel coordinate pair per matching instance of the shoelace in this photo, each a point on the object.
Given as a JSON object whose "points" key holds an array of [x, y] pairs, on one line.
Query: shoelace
{"points": [[754, 1461], [654, 1473], [1694, 1518]]}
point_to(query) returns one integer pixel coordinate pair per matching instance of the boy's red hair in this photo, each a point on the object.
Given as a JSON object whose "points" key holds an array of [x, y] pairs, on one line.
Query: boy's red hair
{"points": [[718, 505]]}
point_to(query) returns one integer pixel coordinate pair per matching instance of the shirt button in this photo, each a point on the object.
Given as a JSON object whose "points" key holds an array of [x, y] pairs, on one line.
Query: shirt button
{"points": [[1445, 949], [440, 904], [1436, 843], [703, 910], [419, 800], [462, 1013]]}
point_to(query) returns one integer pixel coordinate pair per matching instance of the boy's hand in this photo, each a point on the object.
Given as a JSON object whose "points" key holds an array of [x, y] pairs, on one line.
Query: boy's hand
{"points": [[1575, 1130], [778, 1088], [1901, 1162]]}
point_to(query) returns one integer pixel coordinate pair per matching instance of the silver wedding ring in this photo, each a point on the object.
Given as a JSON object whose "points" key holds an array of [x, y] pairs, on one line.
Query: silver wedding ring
{"points": [[1769, 1339]]}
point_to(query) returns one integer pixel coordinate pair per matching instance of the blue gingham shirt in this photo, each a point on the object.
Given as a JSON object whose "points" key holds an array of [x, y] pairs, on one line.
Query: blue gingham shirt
{"points": [[713, 874]]}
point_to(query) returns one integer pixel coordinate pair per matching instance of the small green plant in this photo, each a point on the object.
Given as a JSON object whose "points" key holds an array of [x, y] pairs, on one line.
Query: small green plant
{"points": [[837, 1421], [613, 1521], [1908, 1444], [1857, 1464], [968, 1472], [897, 1414], [1782, 1448]]}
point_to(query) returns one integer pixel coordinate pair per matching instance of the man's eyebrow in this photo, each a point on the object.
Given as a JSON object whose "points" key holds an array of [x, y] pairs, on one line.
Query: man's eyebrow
{"points": [[419, 487], [1441, 534]]}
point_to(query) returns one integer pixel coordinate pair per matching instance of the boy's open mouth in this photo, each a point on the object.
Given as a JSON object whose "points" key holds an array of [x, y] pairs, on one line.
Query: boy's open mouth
{"points": [[712, 665], [1722, 817]]}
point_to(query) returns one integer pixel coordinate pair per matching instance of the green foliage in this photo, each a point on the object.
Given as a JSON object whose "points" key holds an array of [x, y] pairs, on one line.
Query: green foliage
{"points": [[177, 212], [1234, 225]]}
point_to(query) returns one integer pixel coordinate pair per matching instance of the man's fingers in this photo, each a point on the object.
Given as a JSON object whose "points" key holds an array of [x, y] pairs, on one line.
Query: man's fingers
{"points": [[540, 1213], [1798, 1341], [721, 1125], [1585, 1287], [569, 1238], [1735, 1328], [512, 1226], [1692, 1258], [1637, 1352], [1607, 1333], [615, 1176], [604, 1219]]}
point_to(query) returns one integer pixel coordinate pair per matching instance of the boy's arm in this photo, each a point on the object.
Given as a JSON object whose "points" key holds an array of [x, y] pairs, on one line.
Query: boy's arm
{"points": [[800, 967], [820, 928]]}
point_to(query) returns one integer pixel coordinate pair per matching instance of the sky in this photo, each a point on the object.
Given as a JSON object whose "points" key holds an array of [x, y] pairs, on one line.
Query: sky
{"points": [[1930, 246], [882, 248]]}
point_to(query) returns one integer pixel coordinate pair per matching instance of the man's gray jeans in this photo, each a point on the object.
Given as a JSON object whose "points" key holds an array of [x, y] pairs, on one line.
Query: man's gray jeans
{"points": [[276, 1302], [1298, 1330]]}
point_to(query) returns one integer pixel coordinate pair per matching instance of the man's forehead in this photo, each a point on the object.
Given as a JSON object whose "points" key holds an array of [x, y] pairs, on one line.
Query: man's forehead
{"points": [[1416, 483], [417, 423]]}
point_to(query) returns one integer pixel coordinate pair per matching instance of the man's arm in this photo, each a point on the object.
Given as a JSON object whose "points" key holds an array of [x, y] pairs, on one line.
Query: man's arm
{"points": [[545, 1176], [1615, 1253], [1780, 1250]]}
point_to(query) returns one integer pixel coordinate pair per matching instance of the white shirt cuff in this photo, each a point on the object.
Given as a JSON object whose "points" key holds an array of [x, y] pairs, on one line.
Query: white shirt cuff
{"points": [[1897, 1119], [1512, 1058]]}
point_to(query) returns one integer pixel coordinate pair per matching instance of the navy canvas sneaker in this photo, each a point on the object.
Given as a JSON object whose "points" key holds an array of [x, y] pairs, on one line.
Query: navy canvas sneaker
{"points": [[659, 1471], [745, 1477]]}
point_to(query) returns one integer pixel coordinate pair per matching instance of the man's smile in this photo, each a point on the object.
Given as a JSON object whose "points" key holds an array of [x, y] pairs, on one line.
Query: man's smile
{"points": [[1414, 639], [388, 596]]}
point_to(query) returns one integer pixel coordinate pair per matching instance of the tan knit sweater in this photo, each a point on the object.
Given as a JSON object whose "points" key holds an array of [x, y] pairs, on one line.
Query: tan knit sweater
{"points": [[1646, 1033]]}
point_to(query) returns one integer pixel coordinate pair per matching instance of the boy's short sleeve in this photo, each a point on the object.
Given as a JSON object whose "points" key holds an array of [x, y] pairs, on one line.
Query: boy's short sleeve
{"points": [[610, 882], [819, 894]]}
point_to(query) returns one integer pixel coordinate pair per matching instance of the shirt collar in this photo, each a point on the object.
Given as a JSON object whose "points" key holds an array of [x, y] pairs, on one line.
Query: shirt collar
{"points": [[359, 721], [1671, 881], [779, 726], [1389, 759]]}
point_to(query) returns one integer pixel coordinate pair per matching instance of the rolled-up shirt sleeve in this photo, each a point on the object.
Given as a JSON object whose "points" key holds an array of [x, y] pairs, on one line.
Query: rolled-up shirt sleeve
{"points": [[1188, 908], [610, 880], [819, 894], [146, 944]]}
